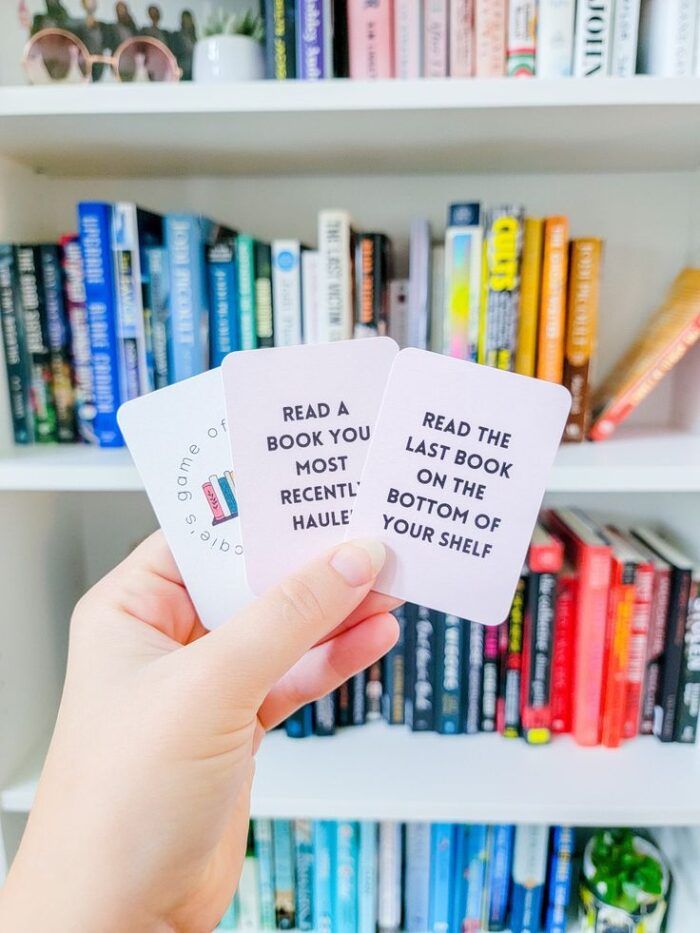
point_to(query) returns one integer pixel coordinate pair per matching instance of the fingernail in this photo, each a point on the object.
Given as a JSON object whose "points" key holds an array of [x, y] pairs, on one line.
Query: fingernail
{"points": [[359, 562]]}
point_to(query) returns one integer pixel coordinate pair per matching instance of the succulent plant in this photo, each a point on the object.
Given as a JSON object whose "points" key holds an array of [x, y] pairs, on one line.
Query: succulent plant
{"points": [[223, 23]]}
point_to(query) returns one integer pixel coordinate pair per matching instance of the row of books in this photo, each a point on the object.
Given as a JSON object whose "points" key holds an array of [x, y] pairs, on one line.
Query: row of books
{"points": [[316, 39], [357, 877], [602, 641]]}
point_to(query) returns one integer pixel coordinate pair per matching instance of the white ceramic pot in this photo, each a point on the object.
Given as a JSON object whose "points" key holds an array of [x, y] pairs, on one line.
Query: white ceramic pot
{"points": [[227, 58]]}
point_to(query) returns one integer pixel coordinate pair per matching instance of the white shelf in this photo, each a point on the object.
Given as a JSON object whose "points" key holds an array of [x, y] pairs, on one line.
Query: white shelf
{"points": [[286, 127], [380, 773], [633, 461]]}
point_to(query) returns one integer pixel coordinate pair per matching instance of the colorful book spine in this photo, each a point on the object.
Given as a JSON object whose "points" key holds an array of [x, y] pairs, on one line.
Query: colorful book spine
{"points": [[514, 661], [462, 286], [529, 875], [304, 873], [324, 875], [489, 690], [449, 648], [593, 38], [477, 855], [500, 870], [245, 267], [500, 302], [262, 830], [280, 40], [537, 664], [581, 328], [563, 657], [367, 879], [559, 883], [435, 39], [417, 883], [420, 699], [371, 36], [314, 39], [686, 726], [460, 881], [394, 697], [223, 299], [58, 334], [390, 859], [638, 644], [474, 661], [419, 285], [309, 295], [625, 31], [16, 354], [530, 281], [551, 331], [186, 236], [555, 38], [371, 285], [74, 293], [620, 612], [157, 298], [264, 316], [335, 276], [522, 38], [346, 848], [408, 38], [655, 646], [461, 34], [284, 860], [442, 851], [666, 38], [490, 38], [286, 292]]}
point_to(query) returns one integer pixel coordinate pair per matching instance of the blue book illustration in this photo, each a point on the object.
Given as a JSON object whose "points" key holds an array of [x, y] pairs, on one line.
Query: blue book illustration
{"points": [[559, 885], [223, 298], [476, 883], [461, 878], [529, 873], [417, 886], [500, 867], [283, 852], [262, 834], [156, 285], [324, 875], [346, 851], [304, 852], [95, 225], [441, 876], [301, 722], [367, 879]]}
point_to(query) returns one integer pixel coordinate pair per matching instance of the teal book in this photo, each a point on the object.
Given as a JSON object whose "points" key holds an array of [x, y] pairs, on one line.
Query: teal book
{"points": [[262, 833], [324, 875], [477, 859], [442, 851], [245, 271], [16, 353], [284, 861], [347, 844], [460, 883], [304, 852]]}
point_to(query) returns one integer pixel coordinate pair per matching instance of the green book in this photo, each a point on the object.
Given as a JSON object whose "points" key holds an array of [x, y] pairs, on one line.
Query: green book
{"points": [[245, 251]]}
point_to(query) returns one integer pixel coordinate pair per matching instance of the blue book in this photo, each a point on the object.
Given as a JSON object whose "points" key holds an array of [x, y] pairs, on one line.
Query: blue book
{"points": [[95, 225], [262, 834], [301, 722], [186, 236], [417, 886], [477, 855], [461, 878], [500, 868], [156, 286], [223, 298], [367, 878], [529, 873], [304, 850], [324, 875], [346, 853], [442, 850], [314, 39], [559, 885], [283, 852]]}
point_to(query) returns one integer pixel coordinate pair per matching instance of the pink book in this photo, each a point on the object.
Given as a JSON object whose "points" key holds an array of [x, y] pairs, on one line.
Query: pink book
{"points": [[461, 38], [371, 38], [408, 38], [435, 47], [490, 38]]}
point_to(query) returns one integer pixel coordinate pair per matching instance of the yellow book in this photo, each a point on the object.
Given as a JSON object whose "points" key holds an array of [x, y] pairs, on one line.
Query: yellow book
{"points": [[530, 280], [551, 328]]}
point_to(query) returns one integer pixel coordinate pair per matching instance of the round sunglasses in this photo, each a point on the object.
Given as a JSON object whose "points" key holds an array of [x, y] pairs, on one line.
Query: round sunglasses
{"points": [[57, 55]]}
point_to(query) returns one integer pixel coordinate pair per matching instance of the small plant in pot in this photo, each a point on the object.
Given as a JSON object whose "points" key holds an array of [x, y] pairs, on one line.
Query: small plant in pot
{"points": [[230, 49]]}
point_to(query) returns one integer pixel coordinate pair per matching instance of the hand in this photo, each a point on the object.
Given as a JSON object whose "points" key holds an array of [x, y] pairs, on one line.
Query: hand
{"points": [[142, 811]]}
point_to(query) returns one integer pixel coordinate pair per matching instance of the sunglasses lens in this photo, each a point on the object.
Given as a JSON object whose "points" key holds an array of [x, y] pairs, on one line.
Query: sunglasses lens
{"points": [[143, 61], [55, 58]]}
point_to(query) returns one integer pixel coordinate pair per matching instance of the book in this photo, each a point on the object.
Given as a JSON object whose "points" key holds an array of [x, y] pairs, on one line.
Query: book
{"points": [[667, 697], [686, 727], [373, 692], [367, 879], [442, 839], [449, 673], [489, 689], [284, 861], [564, 645], [300, 723], [81, 363], [372, 269], [324, 874], [460, 881], [286, 292], [248, 893], [419, 271], [314, 30], [559, 879], [588, 551], [551, 327], [511, 673], [489, 38], [625, 31], [341, 47], [417, 877], [264, 315], [658, 621], [522, 38], [309, 295], [555, 38], [335, 276], [667, 38], [262, 832], [16, 353], [420, 699], [529, 874], [593, 35], [394, 697], [462, 281], [390, 860], [304, 874], [408, 38], [156, 287], [581, 328], [346, 854], [477, 855], [358, 699], [500, 870], [245, 272], [223, 298], [324, 715], [280, 41], [530, 281], [435, 39], [399, 311], [437, 301], [58, 338], [344, 704], [461, 36], [667, 335], [500, 285], [370, 34], [474, 662]]}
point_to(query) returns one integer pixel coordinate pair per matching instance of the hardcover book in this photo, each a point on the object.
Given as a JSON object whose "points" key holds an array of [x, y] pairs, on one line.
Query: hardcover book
{"points": [[581, 328], [551, 329]]}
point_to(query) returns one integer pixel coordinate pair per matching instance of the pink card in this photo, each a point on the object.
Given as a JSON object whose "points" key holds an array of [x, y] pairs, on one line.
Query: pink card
{"points": [[454, 479], [300, 420]]}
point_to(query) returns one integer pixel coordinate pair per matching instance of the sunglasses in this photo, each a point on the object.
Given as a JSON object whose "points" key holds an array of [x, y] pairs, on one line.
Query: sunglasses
{"points": [[57, 55]]}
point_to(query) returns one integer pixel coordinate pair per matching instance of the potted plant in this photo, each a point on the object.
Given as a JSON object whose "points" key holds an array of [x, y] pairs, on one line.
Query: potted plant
{"points": [[230, 49]]}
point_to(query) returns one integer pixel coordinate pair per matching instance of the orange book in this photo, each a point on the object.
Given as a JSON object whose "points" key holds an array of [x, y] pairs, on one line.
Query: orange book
{"points": [[665, 338], [550, 338]]}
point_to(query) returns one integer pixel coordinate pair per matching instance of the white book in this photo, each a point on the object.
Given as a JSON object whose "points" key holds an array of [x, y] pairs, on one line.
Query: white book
{"points": [[286, 292], [249, 896], [309, 294], [667, 37], [390, 859], [593, 38], [408, 38], [623, 58], [334, 276], [419, 278], [555, 38], [398, 311], [437, 299]]}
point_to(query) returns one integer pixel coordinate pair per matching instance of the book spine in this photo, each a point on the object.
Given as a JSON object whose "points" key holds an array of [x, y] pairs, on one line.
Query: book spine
{"points": [[667, 38], [371, 283], [394, 698], [555, 38], [248, 895], [591, 615], [537, 662], [559, 886], [313, 27], [33, 309], [262, 831], [358, 699], [625, 30], [300, 723], [417, 882], [264, 316], [286, 292], [374, 692], [529, 874], [437, 298], [324, 715], [461, 34], [74, 293], [522, 38], [16, 356], [341, 46], [223, 299], [189, 312], [501, 286], [441, 876], [581, 326], [638, 643], [245, 267], [335, 276], [688, 707], [370, 32], [131, 334], [514, 661], [390, 859], [462, 288], [280, 39], [158, 298], [419, 285], [489, 692], [420, 709], [367, 879], [309, 295], [655, 647], [283, 853], [490, 38], [477, 856], [398, 311], [531, 278], [408, 38], [667, 701], [460, 879], [450, 674], [58, 333], [324, 874], [563, 657], [474, 660], [304, 871], [593, 35], [435, 44], [620, 611], [500, 874], [551, 330], [344, 705]]}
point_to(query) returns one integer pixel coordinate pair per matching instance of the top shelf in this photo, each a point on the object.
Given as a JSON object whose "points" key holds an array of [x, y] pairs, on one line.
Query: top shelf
{"points": [[356, 127]]}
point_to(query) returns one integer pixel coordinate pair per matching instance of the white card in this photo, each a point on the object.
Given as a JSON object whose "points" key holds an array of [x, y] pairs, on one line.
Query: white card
{"points": [[300, 420], [454, 480], [178, 439]]}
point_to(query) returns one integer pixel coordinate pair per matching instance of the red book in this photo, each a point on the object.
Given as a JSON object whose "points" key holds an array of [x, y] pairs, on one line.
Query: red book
{"points": [[563, 660], [371, 38], [589, 552]]}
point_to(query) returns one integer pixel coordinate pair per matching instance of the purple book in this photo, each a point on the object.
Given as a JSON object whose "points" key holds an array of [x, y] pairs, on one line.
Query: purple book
{"points": [[314, 44]]}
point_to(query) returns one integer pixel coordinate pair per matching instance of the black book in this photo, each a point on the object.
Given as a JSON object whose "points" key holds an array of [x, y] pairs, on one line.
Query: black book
{"points": [[341, 46], [343, 708], [358, 699], [59, 341], [394, 697], [371, 284], [474, 677], [16, 354], [689, 685], [325, 715], [449, 673], [264, 317], [489, 689], [373, 692], [420, 710]]}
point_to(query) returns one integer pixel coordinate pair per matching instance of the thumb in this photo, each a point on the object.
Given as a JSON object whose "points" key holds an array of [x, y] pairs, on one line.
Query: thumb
{"points": [[261, 643]]}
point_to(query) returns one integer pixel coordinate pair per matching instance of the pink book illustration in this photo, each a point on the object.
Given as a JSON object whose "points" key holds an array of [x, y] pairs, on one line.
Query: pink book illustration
{"points": [[371, 35], [490, 38]]}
